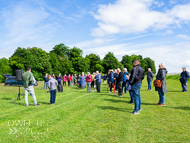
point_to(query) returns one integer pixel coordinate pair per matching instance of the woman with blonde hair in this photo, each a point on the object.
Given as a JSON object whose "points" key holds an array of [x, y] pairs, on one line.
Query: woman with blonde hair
{"points": [[161, 75]]}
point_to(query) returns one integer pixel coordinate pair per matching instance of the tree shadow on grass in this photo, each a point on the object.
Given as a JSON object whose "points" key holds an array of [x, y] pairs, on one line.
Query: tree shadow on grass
{"points": [[18, 103], [174, 91], [6, 98], [148, 104], [44, 103], [106, 94], [113, 108], [181, 108], [115, 101]]}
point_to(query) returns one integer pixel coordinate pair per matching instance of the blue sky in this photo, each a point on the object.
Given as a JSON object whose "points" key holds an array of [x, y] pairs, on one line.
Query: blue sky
{"points": [[152, 28]]}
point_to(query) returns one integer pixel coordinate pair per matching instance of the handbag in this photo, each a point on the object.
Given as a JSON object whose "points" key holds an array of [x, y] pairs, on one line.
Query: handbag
{"points": [[157, 83]]}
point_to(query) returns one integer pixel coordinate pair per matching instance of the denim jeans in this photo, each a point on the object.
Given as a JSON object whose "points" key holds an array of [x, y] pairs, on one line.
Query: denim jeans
{"points": [[45, 85], [184, 86], [31, 90], [69, 83], [136, 95], [125, 85], [131, 95], [150, 85], [161, 97], [53, 96], [88, 87]]}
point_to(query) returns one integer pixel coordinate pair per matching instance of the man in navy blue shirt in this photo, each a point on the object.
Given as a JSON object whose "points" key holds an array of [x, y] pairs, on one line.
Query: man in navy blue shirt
{"points": [[149, 79], [184, 79], [98, 81]]}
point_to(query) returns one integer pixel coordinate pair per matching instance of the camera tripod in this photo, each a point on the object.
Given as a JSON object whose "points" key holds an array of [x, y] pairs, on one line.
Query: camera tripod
{"points": [[18, 95]]}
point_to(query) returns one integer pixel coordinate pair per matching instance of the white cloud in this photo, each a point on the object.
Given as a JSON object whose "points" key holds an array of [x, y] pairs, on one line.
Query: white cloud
{"points": [[91, 43], [174, 56], [172, 1], [167, 32], [22, 22], [159, 4], [186, 37], [127, 16]]}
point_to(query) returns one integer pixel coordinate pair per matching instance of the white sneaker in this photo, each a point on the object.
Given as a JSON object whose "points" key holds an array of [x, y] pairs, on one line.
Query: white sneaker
{"points": [[110, 92], [134, 112], [117, 95]]}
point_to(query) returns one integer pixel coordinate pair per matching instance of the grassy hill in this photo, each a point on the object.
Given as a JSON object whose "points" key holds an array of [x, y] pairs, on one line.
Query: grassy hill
{"points": [[78, 116]]}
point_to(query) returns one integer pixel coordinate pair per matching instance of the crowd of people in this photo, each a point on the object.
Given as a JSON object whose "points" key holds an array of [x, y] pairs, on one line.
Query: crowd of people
{"points": [[116, 79]]}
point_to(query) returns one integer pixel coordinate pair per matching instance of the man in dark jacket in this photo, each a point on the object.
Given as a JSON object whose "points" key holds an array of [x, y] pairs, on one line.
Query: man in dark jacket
{"points": [[46, 81], [98, 81], [149, 79], [137, 75], [116, 76], [184, 79], [120, 82]]}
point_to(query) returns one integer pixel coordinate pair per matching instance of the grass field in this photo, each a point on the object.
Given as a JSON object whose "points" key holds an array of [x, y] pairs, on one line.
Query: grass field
{"points": [[79, 116]]}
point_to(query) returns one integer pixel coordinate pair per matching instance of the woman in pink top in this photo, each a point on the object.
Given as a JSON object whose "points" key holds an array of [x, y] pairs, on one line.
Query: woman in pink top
{"points": [[64, 79], [88, 81]]}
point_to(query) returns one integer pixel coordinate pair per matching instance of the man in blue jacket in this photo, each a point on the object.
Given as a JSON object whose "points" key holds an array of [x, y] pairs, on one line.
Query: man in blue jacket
{"points": [[136, 77], [149, 79], [98, 81], [184, 79], [111, 80], [125, 79]]}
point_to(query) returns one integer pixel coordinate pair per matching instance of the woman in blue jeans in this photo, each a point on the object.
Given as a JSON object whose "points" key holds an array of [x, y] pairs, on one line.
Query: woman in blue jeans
{"points": [[161, 75], [52, 84]]}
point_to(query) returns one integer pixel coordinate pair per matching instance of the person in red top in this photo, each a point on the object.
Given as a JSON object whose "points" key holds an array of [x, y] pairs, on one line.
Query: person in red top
{"points": [[69, 78], [88, 81]]}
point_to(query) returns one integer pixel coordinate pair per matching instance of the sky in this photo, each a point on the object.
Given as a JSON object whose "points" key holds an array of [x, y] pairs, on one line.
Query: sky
{"points": [[158, 29]]}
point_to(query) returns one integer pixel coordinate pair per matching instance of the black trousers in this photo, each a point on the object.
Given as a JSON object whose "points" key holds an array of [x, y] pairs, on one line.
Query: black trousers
{"points": [[98, 86], [92, 84]]}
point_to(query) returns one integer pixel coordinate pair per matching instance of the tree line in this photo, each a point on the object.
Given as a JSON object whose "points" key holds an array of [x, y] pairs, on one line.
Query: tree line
{"points": [[65, 60]]}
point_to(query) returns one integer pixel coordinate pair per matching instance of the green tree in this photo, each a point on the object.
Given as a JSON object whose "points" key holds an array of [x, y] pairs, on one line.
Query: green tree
{"points": [[110, 62], [80, 64], [94, 62], [61, 50], [145, 63], [5, 66], [150, 64], [35, 58], [99, 68]]}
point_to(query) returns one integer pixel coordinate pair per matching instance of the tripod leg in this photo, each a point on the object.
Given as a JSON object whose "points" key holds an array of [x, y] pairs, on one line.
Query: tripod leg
{"points": [[16, 97], [22, 95]]}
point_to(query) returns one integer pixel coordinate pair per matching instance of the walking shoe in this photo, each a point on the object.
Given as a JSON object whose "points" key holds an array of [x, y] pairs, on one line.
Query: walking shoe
{"points": [[117, 95], [158, 103], [134, 112], [110, 92], [37, 104], [161, 105]]}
